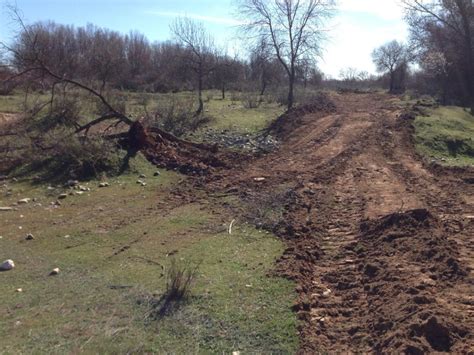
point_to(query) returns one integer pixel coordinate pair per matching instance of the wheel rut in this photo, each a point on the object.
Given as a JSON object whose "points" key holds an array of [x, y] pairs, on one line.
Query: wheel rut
{"points": [[379, 244]]}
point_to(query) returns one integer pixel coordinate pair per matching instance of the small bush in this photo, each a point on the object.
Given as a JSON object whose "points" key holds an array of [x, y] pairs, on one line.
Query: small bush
{"points": [[178, 116], [250, 100], [180, 278], [60, 155]]}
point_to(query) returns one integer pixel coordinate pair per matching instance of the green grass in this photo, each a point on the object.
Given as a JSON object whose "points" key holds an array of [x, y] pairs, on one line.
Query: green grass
{"points": [[123, 235], [447, 135], [226, 114]]}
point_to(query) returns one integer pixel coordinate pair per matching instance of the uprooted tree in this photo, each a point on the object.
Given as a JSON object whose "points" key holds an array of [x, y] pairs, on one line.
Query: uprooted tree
{"points": [[83, 114]]}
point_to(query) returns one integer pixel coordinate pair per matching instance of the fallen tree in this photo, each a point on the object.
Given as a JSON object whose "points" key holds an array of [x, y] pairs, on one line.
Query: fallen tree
{"points": [[61, 110]]}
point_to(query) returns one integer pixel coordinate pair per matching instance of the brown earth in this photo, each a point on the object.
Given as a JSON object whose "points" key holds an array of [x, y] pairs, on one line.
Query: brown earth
{"points": [[379, 243]]}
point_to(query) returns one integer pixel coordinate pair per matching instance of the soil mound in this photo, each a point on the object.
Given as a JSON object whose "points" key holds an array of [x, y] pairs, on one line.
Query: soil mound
{"points": [[286, 123], [418, 235]]}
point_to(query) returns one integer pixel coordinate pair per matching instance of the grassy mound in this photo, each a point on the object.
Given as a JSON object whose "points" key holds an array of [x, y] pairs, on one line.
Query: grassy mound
{"points": [[447, 134]]}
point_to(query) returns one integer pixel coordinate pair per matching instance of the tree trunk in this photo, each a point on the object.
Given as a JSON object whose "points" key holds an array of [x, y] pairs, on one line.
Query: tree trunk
{"points": [[392, 81], [263, 88], [223, 91], [201, 103], [291, 96]]}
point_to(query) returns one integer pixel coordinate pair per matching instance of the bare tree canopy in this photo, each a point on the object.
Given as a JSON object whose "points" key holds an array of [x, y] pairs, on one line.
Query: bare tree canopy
{"points": [[294, 28], [202, 53], [392, 58], [442, 32]]}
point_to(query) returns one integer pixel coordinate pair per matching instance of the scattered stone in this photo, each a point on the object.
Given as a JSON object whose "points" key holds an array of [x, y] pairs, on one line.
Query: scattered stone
{"points": [[67, 236], [19, 290], [83, 188], [30, 236], [327, 293], [143, 184], [54, 272], [7, 265], [157, 173], [79, 193], [6, 209], [57, 203], [104, 184], [235, 352], [72, 183], [142, 176], [62, 196], [259, 179], [139, 182], [24, 201]]}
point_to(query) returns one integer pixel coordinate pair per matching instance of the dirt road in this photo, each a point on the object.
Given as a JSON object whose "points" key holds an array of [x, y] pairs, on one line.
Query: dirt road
{"points": [[380, 245]]}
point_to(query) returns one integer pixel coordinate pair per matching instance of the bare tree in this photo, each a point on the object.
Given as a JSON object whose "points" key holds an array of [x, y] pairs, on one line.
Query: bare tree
{"points": [[294, 28], [392, 58], [446, 27], [201, 50]]}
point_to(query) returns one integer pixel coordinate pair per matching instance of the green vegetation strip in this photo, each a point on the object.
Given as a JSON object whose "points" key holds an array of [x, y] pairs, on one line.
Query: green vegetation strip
{"points": [[446, 135], [113, 246]]}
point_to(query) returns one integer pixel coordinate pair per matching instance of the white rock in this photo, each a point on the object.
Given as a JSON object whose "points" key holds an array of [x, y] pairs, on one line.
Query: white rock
{"points": [[6, 209], [19, 290], [55, 271], [7, 265], [104, 184], [24, 201], [62, 196], [327, 293]]}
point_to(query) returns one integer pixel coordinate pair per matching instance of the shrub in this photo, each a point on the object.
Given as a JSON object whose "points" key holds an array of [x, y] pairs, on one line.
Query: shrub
{"points": [[60, 155], [250, 100], [180, 278], [178, 116]]}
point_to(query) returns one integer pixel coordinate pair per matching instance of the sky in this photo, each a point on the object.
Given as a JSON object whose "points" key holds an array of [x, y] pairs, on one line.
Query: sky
{"points": [[358, 27]]}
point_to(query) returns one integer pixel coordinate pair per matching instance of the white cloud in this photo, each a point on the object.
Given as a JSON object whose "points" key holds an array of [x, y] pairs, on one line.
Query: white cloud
{"points": [[213, 19], [362, 25], [384, 9]]}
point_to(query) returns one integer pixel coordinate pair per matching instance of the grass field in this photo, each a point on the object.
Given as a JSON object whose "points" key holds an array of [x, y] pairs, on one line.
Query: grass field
{"points": [[446, 135], [113, 246], [226, 114]]}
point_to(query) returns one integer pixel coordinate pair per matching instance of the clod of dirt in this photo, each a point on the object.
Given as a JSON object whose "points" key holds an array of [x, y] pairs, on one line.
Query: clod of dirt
{"points": [[438, 335]]}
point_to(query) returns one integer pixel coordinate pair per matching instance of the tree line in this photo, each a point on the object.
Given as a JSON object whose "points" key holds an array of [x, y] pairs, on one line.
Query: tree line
{"points": [[441, 44]]}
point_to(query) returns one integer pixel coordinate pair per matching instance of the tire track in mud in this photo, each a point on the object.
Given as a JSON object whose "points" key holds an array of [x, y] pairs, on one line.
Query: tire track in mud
{"points": [[374, 243]]}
